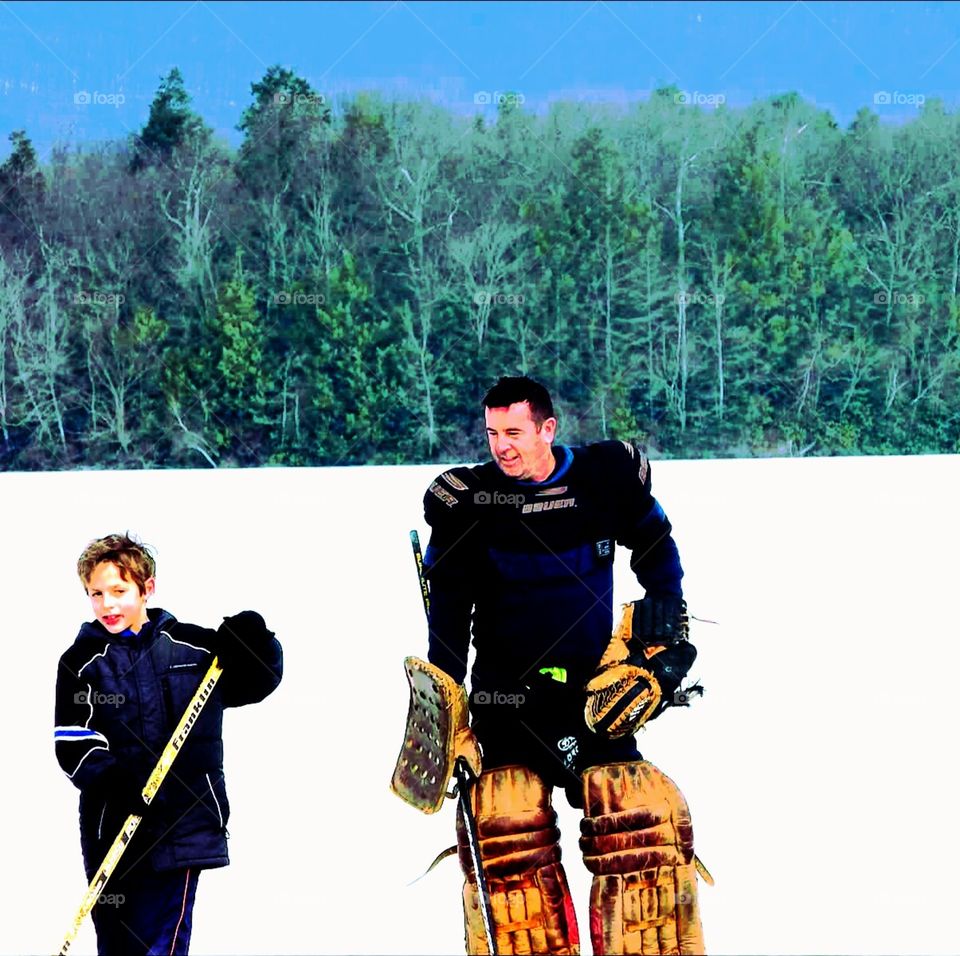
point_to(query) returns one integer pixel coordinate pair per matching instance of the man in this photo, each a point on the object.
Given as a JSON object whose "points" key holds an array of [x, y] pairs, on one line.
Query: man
{"points": [[522, 547]]}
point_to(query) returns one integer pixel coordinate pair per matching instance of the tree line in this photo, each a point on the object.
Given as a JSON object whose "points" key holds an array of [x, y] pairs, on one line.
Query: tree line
{"points": [[343, 287]]}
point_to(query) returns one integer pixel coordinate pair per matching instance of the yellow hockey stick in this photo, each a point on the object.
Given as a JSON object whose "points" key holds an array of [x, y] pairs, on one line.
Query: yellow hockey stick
{"points": [[110, 861]]}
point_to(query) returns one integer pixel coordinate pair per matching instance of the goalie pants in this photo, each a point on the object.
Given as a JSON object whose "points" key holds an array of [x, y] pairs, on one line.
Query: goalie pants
{"points": [[548, 736], [145, 913]]}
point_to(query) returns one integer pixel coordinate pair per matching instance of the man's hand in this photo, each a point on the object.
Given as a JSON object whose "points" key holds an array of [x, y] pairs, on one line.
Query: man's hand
{"points": [[642, 667], [437, 733], [660, 619], [466, 745]]}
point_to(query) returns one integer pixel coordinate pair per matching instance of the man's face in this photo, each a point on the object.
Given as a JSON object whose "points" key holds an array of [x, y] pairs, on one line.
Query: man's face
{"points": [[520, 448], [117, 603]]}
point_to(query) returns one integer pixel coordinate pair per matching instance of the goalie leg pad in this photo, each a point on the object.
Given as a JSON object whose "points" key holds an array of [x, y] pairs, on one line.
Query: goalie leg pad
{"points": [[520, 853], [637, 840]]}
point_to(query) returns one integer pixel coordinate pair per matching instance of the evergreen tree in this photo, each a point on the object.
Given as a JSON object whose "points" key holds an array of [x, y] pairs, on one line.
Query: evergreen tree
{"points": [[280, 129], [22, 192], [171, 124]]}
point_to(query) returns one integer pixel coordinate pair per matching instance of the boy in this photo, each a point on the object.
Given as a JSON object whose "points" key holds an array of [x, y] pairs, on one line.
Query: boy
{"points": [[121, 689]]}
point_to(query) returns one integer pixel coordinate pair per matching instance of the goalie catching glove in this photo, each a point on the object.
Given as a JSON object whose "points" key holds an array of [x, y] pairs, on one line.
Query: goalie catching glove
{"points": [[642, 667]]}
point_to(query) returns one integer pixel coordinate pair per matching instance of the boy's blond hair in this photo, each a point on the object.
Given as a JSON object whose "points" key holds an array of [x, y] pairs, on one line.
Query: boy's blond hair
{"points": [[131, 557]]}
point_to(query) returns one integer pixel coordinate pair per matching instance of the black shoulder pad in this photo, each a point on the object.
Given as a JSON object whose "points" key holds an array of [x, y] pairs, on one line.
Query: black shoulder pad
{"points": [[638, 453], [625, 458], [449, 492]]}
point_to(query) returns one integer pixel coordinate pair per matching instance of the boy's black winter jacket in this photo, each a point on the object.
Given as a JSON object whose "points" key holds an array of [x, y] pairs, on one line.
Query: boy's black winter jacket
{"points": [[119, 699]]}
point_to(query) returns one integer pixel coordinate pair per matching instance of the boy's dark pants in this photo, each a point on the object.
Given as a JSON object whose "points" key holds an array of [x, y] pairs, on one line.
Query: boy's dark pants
{"points": [[145, 913]]}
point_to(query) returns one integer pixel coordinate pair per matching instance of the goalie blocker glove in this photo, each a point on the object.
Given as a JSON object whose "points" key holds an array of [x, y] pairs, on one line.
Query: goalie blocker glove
{"points": [[660, 620], [436, 735], [642, 668]]}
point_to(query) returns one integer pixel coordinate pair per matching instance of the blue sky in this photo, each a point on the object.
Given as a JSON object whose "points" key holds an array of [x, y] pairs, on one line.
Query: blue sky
{"points": [[837, 55]]}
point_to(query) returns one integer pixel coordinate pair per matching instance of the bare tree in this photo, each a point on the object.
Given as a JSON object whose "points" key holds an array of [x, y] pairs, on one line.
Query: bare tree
{"points": [[420, 209], [487, 263], [39, 348], [720, 271], [193, 234], [675, 214], [13, 291]]}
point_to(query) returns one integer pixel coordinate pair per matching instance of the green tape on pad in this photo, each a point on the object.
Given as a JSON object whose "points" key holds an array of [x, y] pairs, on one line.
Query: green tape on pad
{"points": [[557, 673]]}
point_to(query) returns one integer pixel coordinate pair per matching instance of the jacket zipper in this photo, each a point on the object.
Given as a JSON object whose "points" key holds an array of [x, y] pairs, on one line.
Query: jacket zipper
{"points": [[215, 800]]}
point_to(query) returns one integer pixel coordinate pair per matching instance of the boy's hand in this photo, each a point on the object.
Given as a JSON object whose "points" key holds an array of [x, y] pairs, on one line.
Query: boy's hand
{"points": [[242, 635], [122, 787]]}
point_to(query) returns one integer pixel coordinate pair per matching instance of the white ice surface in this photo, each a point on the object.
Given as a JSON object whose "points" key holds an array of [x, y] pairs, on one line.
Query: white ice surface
{"points": [[819, 767]]}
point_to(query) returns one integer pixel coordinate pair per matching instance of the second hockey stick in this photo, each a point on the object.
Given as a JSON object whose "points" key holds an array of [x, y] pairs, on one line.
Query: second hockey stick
{"points": [[462, 773]]}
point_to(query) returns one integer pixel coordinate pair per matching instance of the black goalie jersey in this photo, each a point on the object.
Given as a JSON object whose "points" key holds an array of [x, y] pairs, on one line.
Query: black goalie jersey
{"points": [[531, 563]]}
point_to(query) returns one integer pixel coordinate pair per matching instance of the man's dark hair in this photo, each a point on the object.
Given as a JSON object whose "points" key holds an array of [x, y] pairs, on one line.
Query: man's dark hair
{"points": [[519, 388]]}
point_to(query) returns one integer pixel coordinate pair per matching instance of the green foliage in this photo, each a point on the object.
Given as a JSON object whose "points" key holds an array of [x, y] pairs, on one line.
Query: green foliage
{"points": [[281, 127], [344, 287], [170, 125], [22, 196], [357, 372]]}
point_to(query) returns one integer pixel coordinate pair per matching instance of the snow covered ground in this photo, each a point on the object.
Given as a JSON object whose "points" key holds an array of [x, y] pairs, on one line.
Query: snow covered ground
{"points": [[819, 767]]}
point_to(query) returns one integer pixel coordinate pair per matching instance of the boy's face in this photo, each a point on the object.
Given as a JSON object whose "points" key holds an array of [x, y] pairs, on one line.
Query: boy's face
{"points": [[117, 602]]}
